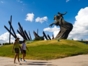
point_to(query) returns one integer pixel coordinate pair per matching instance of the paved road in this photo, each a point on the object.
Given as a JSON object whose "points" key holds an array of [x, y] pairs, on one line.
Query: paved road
{"points": [[80, 60]]}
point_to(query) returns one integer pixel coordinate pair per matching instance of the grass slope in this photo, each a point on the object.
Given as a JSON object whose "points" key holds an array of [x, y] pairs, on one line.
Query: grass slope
{"points": [[50, 49]]}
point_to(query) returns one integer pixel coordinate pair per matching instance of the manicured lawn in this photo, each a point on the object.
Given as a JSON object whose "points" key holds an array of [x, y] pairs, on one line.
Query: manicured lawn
{"points": [[51, 49]]}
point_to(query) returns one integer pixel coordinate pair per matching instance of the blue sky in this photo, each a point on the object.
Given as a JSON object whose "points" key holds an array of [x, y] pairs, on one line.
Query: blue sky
{"points": [[38, 14]]}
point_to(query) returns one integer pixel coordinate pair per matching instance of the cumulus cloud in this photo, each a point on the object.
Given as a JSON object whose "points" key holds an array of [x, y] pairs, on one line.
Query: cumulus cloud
{"points": [[5, 37], [80, 29], [67, 0], [41, 19], [29, 17], [55, 30]]}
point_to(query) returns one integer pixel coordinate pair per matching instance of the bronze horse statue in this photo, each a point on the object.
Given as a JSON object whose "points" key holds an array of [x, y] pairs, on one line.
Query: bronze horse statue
{"points": [[65, 27]]}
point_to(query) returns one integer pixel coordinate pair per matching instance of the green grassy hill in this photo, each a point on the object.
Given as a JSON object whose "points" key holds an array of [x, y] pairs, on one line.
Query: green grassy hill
{"points": [[50, 49]]}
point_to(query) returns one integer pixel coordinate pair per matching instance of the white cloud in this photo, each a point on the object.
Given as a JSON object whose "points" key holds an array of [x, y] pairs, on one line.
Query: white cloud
{"points": [[5, 37], [29, 17], [41, 20], [67, 0], [55, 30], [80, 29]]}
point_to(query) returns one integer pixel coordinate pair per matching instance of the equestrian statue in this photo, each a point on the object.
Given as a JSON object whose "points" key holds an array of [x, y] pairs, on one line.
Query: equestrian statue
{"points": [[65, 27]]}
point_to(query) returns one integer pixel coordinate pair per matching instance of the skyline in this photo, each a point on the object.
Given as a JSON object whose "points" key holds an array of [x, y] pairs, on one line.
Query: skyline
{"points": [[39, 15]]}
